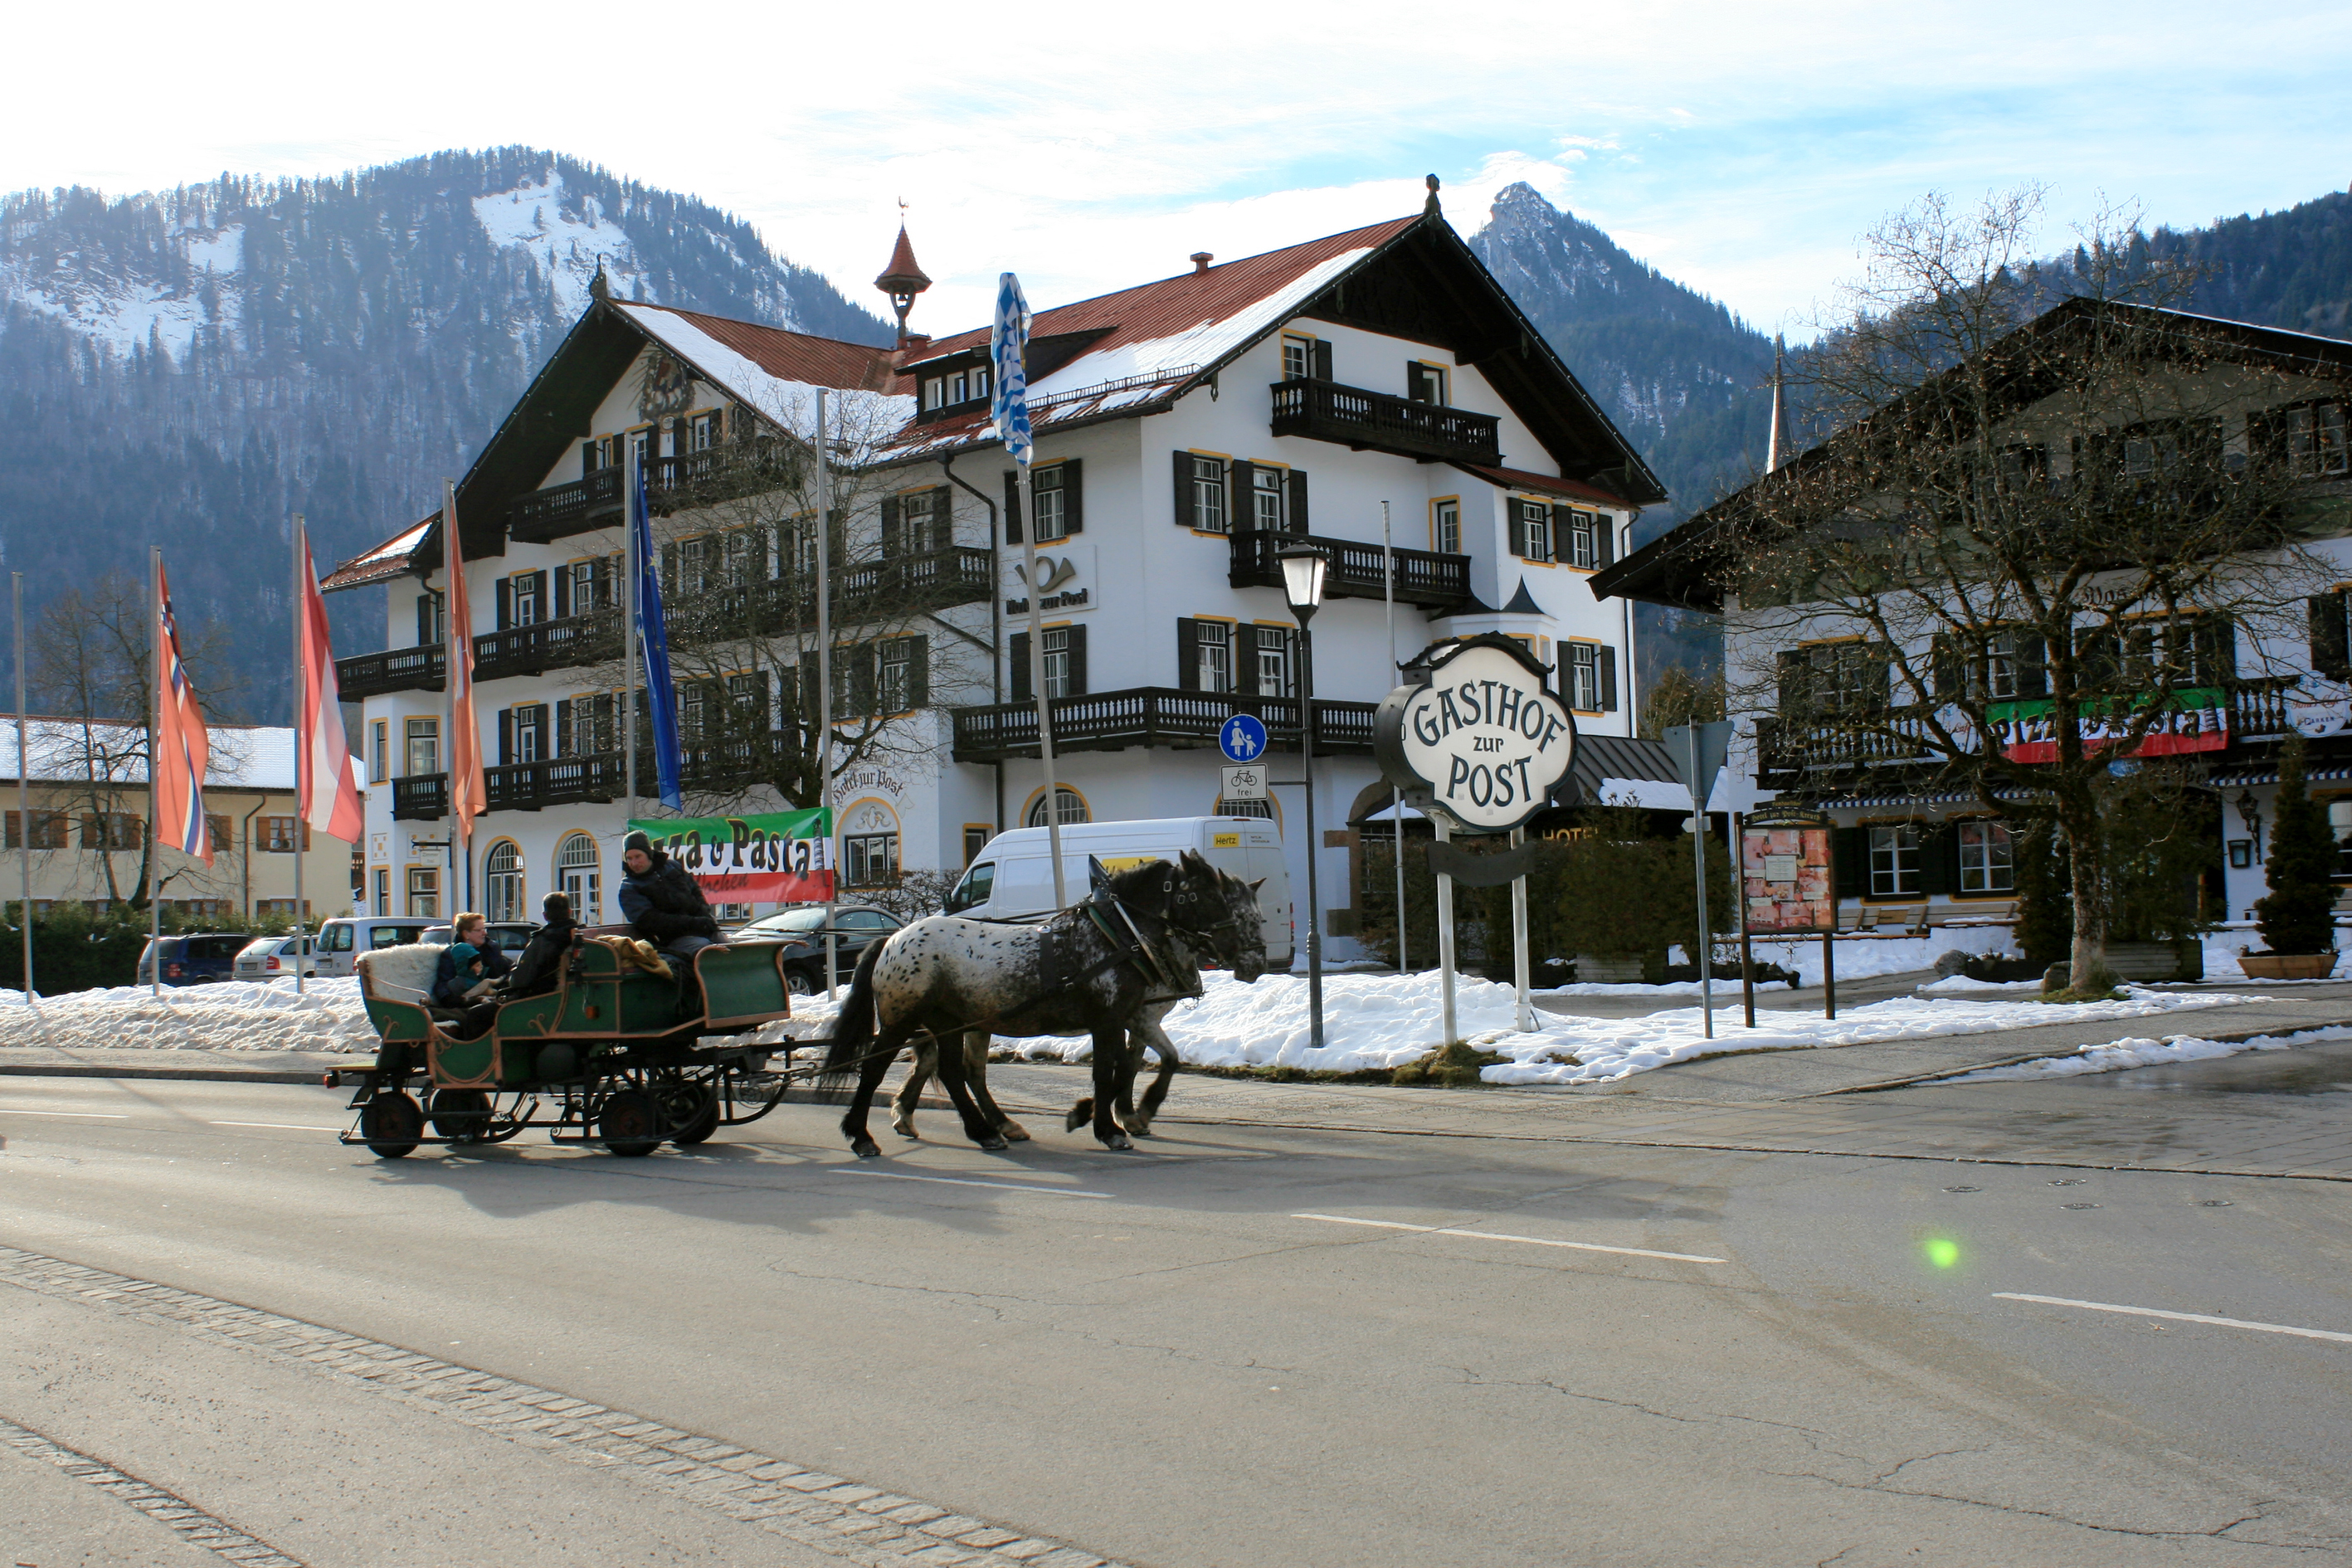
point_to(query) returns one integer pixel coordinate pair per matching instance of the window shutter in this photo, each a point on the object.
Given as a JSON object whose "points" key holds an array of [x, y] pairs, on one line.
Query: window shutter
{"points": [[539, 722], [1607, 679], [608, 583], [1878, 678], [1021, 690], [539, 594], [1563, 538], [1297, 518], [893, 544], [1604, 538], [1936, 855], [1518, 530], [505, 604], [809, 698], [1944, 667], [1187, 516], [1849, 857], [918, 672], [562, 603], [2331, 648], [1188, 654], [1240, 496], [1792, 675], [1078, 661], [1322, 359], [565, 744], [506, 736], [1243, 653], [2217, 650], [2032, 667], [1074, 495], [423, 620], [670, 567], [864, 693]]}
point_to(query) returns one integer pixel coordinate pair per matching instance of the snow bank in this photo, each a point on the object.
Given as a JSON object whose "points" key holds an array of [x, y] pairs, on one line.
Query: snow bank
{"points": [[2116, 1056], [233, 1016]]}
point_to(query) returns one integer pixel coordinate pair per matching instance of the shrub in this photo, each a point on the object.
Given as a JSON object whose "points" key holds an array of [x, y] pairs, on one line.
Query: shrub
{"points": [[2298, 914]]}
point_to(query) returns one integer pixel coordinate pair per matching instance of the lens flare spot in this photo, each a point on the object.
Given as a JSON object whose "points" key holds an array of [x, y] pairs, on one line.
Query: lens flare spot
{"points": [[1943, 1252]]}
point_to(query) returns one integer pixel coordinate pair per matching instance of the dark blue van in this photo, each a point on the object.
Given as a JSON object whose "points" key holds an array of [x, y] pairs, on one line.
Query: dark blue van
{"points": [[200, 960]]}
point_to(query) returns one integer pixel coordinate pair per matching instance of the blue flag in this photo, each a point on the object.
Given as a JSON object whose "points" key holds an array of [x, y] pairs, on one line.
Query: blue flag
{"points": [[1008, 341], [661, 697]]}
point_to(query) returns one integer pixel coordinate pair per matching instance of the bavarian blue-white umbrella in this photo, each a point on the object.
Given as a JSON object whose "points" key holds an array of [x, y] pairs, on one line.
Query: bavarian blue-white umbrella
{"points": [[1008, 341]]}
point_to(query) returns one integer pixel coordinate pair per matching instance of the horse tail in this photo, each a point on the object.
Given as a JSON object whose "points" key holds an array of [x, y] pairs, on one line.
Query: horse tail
{"points": [[853, 1026]]}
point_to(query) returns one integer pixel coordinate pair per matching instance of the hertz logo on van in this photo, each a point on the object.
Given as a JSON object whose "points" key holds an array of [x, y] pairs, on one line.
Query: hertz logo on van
{"points": [[1224, 841]]}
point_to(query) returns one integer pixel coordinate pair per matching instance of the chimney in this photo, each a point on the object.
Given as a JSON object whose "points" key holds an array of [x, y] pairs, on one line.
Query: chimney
{"points": [[1200, 260], [918, 342]]}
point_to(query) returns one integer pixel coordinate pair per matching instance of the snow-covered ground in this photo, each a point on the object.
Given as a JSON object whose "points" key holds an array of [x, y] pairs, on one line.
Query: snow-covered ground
{"points": [[234, 1017], [2116, 1056]]}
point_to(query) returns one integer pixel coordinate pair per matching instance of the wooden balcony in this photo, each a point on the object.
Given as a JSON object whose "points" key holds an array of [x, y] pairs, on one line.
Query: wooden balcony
{"points": [[544, 646], [1786, 753], [1378, 422], [561, 510], [573, 780], [1155, 716], [395, 670], [1428, 578], [959, 574]]}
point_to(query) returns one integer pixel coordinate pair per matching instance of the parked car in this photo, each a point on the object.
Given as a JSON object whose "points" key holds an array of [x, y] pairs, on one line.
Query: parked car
{"points": [[339, 942], [200, 960], [510, 937], [803, 933], [266, 958]]}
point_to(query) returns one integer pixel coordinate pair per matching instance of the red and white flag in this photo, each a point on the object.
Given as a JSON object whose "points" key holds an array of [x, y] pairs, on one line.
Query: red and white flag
{"points": [[182, 747], [468, 791], [328, 785]]}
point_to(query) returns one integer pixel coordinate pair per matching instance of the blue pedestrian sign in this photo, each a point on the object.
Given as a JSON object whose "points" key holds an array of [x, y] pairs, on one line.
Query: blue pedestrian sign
{"points": [[1242, 738]]}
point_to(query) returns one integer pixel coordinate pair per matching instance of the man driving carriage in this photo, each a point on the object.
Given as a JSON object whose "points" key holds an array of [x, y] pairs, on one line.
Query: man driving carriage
{"points": [[662, 902]]}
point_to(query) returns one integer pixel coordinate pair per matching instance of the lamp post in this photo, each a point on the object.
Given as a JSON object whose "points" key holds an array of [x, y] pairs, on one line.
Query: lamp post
{"points": [[1303, 570]]}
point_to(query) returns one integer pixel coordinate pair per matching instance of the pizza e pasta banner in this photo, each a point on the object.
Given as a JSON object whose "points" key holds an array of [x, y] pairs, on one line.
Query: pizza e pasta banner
{"points": [[775, 857], [2196, 719]]}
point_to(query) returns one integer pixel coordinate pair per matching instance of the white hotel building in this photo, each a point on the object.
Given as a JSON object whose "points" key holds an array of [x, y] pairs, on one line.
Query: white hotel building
{"points": [[1186, 429]]}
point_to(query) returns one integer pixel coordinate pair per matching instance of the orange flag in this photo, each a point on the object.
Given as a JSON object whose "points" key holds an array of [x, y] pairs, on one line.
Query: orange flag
{"points": [[182, 749], [468, 791], [329, 789]]}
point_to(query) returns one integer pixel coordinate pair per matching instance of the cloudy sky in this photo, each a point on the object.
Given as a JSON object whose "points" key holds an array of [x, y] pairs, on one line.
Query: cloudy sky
{"points": [[1739, 148]]}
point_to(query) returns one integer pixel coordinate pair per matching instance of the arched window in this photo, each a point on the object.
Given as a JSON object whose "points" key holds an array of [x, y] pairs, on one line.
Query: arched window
{"points": [[1264, 808], [502, 878], [1073, 807], [578, 876]]}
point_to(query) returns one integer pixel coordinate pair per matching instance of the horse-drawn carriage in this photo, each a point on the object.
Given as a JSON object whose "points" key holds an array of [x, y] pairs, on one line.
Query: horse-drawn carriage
{"points": [[615, 1054]]}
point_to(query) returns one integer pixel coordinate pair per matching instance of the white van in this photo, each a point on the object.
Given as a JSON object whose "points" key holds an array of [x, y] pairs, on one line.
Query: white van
{"points": [[1013, 875], [339, 942]]}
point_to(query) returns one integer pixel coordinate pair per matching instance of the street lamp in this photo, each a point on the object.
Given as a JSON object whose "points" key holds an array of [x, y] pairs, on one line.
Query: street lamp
{"points": [[1303, 570]]}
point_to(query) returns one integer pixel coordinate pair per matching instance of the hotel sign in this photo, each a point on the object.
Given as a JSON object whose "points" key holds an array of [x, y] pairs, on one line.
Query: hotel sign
{"points": [[1487, 740]]}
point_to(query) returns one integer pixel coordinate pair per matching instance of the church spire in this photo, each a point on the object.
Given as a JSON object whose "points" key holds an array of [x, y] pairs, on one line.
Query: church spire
{"points": [[1774, 450], [902, 279]]}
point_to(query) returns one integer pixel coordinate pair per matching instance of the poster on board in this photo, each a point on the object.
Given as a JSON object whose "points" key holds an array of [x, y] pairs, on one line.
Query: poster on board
{"points": [[1786, 877]]}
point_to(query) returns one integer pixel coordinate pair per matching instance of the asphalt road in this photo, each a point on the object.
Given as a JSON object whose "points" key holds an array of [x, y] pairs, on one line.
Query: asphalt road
{"points": [[1163, 1357]]}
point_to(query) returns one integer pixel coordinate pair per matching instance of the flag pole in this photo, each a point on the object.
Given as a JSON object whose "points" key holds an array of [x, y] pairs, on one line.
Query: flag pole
{"points": [[629, 632], [461, 835], [301, 812], [825, 691], [1037, 687], [1396, 795], [24, 794], [154, 771]]}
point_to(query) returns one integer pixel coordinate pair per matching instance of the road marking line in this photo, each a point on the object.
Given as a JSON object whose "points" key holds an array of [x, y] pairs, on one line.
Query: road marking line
{"points": [[2177, 1317], [961, 1181], [84, 1115], [1499, 1236], [282, 1126]]}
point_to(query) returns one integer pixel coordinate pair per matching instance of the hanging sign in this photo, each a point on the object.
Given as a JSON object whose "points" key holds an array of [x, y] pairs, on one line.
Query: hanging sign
{"points": [[2196, 719], [1487, 740], [1785, 873], [781, 857]]}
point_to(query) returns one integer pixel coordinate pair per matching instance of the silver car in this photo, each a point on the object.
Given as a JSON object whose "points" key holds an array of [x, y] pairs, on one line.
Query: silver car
{"points": [[267, 958]]}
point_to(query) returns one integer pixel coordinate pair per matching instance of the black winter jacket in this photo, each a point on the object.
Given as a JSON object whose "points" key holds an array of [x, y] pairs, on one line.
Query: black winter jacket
{"points": [[663, 902]]}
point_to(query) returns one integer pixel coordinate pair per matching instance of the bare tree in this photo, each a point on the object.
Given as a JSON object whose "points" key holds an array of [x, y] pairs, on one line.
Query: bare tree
{"points": [[2052, 524], [94, 665]]}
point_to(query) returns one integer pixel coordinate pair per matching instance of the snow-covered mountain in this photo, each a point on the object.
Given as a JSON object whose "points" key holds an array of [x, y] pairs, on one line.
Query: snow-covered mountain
{"points": [[189, 367]]}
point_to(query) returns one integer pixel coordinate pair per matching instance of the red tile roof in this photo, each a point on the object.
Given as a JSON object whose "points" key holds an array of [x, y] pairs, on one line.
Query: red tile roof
{"points": [[795, 356], [1543, 484], [1174, 305]]}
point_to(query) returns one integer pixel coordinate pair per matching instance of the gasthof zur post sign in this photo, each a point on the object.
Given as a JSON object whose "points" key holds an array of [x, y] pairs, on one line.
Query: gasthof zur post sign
{"points": [[1487, 739]]}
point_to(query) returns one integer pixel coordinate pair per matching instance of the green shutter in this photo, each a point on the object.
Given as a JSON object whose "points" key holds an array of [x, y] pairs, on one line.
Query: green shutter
{"points": [[1850, 860]]}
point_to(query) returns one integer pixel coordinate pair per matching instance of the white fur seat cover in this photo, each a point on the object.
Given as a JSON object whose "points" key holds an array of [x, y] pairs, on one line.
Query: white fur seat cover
{"points": [[403, 973]]}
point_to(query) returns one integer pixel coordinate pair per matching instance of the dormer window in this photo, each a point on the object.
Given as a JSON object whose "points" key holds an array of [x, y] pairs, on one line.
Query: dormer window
{"points": [[949, 388]]}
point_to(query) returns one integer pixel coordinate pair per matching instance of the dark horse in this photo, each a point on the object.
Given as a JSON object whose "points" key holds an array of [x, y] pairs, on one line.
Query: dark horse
{"points": [[1088, 970]]}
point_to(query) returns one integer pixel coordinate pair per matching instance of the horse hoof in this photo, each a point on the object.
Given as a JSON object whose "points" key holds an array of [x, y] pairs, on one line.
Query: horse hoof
{"points": [[994, 1144], [1117, 1140], [1140, 1128], [904, 1126], [866, 1149], [1015, 1131], [1080, 1114]]}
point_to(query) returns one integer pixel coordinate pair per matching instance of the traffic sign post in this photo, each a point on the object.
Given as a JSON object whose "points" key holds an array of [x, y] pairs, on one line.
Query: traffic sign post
{"points": [[1244, 781], [1242, 738]]}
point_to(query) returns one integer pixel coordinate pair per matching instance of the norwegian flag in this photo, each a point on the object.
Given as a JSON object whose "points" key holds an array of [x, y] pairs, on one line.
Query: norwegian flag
{"points": [[329, 789], [183, 748]]}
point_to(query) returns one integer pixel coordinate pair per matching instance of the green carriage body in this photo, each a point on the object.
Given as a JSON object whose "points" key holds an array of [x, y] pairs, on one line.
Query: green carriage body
{"points": [[607, 1027]]}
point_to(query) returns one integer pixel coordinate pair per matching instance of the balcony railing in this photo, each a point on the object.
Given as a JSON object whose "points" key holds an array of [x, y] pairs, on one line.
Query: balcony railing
{"points": [[1786, 752], [561, 510], [396, 670], [1380, 422], [1155, 716], [959, 574], [595, 779], [548, 645], [1424, 577]]}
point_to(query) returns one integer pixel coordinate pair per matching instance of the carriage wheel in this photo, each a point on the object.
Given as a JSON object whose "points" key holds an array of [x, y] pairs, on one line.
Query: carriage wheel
{"points": [[461, 1115], [701, 1124], [391, 1122], [630, 1123]]}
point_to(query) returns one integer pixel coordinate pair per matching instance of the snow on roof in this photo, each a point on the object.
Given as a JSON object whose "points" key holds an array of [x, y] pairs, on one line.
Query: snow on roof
{"points": [[775, 372], [65, 750], [393, 557]]}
